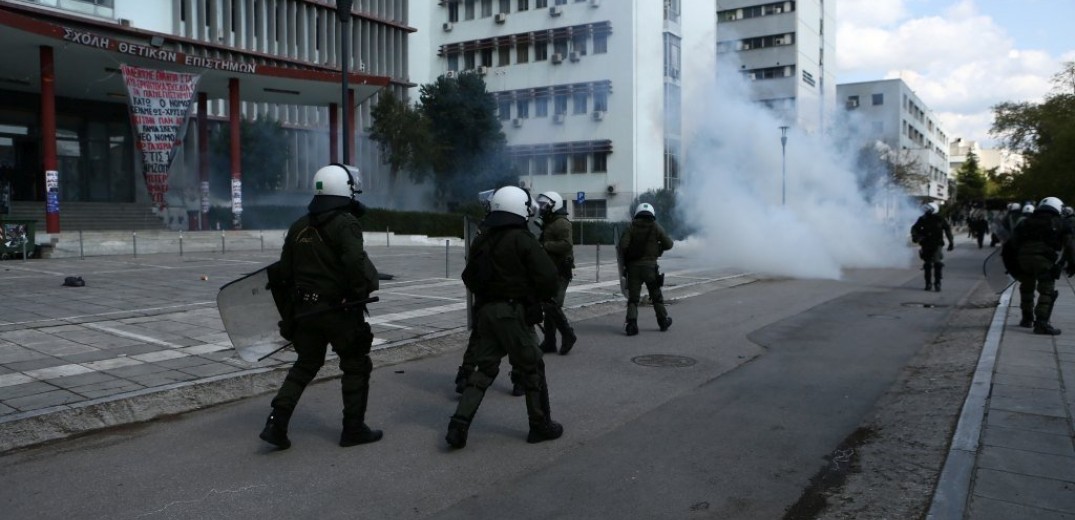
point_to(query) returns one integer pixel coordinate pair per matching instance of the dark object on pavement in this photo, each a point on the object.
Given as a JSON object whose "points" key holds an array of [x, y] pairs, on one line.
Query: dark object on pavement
{"points": [[74, 281]]}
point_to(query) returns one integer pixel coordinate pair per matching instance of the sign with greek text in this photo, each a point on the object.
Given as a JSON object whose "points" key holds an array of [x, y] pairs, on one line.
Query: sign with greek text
{"points": [[52, 191], [160, 103]]}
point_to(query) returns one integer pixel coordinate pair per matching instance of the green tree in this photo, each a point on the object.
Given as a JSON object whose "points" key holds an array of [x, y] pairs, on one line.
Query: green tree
{"points": [[970, 181], [402, 135], [1044, 133], [469, 151], [264, 152], [664, 202]]}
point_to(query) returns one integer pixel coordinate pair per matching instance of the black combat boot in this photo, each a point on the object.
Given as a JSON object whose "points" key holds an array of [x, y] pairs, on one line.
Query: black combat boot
{"points": [[665, 323], [568, 337], [548, 345], [517, 388], [542, 427], [631, 327], [275, 431], [355, 433], [461, 379], [545, 431], [457, 432], [1043, 327], [937, 278], [1027, 321]]}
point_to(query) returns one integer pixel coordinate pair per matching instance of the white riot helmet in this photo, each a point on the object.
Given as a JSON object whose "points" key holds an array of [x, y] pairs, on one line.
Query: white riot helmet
{"points": [[1028, 209], [1067, 211], [511, 199], [338, 180], [1052, 203], [930, 208], [551, 202], [644, 208], [1014, 206]]}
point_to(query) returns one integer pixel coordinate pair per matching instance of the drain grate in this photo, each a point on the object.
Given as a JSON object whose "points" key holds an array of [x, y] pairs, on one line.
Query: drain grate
{"points": [[663, 361]]}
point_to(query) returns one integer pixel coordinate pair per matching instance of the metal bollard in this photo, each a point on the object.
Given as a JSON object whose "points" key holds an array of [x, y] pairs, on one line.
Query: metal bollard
{"points": [[81, 251], [180, 243], [24, 241], [134, 241], [222, 244], [387, 237], [598, 278], [262, 235], [446, 243]]}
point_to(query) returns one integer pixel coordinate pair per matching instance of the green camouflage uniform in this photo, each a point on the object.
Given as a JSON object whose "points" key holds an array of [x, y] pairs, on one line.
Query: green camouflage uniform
{"points": [[1039, 240], [523, 276], [556, 239], [644, 270], [325, 264]]}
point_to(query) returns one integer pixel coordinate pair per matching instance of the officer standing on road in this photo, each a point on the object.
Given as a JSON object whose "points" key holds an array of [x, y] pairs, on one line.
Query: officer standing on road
{"points": [[509, 274], [1041, 241], [326, 271], [640, 245], [556, 239], [1006, 222], [929, 232]]}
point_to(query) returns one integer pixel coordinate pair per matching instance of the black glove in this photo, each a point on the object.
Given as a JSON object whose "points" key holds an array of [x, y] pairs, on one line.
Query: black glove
{"points": [[951, 246]]}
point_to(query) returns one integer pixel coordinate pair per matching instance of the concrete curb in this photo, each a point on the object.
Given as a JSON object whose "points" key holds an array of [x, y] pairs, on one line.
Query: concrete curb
{"points": [[953, 486]]}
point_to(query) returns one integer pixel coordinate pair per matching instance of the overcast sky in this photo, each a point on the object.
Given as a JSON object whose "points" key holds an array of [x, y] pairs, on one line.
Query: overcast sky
{"points": [[960, 56]]}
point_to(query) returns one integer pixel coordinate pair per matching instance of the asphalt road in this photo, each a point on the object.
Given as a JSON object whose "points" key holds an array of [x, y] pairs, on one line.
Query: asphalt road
{"points": [[782, 372]]}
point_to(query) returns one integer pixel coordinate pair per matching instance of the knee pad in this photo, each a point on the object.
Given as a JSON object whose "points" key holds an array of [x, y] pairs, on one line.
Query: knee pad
{"points": [[483, 377]]}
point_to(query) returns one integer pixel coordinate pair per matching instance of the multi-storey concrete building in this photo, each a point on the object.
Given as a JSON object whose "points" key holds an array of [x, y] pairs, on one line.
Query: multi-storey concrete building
{"points": [[589, 91], [1005, 162], [787, 50], [63, 103], [890, 112]]}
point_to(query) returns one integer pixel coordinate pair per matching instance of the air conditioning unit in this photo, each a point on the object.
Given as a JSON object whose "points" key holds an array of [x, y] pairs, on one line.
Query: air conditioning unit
{"points": [[595, 3], [558, 119], [574, 56], [745, 47], [501, 18], [557, 58], [126, 22], [598, 115], [852, 104], [517, 122], [778, 41], [611, 189], [483, 70], [778, 10], [447, 26], [556, 10], [450, 74]]}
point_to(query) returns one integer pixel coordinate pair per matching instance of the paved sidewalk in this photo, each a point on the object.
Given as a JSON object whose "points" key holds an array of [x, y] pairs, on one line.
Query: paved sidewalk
{"points": [[143, 338], [1012, 456]]}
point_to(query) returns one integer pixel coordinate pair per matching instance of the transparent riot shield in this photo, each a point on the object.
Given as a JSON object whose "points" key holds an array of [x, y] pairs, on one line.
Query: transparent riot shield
{"points": [[996, 275], [250, 316]]}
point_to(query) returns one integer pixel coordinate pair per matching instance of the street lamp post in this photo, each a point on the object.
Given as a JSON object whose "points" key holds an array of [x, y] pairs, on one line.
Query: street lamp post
{"points": [[783, 165], [343, 11]]}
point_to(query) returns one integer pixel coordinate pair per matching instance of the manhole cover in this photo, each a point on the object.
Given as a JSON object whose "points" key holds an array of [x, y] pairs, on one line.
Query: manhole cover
{"points": [[883, 316], [924, 305], [663, 360]]}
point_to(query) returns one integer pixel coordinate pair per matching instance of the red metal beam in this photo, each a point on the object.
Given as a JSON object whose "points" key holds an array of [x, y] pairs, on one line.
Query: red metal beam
{"points": [[48, 138]]}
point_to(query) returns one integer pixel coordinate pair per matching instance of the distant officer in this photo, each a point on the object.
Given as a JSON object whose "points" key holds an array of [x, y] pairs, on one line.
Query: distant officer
{"points": [[641, 244], [509, 274], [324, 266], [556, 239], [929, 232], [1043, 245], [1006, 222]]}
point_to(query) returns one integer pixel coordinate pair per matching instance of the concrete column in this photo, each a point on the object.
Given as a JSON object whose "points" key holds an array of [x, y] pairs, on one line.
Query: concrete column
{"points": [[203, 161], [48, 140], [333, 132], [234, 118]]}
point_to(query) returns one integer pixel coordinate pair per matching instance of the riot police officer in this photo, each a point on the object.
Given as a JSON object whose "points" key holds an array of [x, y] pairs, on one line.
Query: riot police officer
{"points": [[1043, 246], [640, 246], [326, 273], [929, 232], [510, 274], [556, 239]]}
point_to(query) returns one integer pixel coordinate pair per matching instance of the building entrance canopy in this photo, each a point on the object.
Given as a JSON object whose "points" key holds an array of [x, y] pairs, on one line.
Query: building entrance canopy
{"points": [[88, 57]]}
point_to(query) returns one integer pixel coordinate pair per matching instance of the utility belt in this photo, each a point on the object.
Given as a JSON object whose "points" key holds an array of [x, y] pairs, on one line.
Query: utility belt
{"points": [[532, 309]]}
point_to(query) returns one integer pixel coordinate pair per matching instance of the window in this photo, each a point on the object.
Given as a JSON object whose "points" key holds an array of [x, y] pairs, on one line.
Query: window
{"points": [[522, 108], [600, 43], [453, 12], [468, 60], [559, 46], [468, 9], [504, 109], [600, 101], [600, 162], [592, 208], [505, 6], [561, 2], [578, 43], [453, 62], [878, 99], [504, 55], [523, 5], [487, 8], [541, 165], [487, 57], [560, 104], [852, 102], [580, 102], [522, 166], [579, 163], [541, 106], [541, 51], [522, 53], [542, 3], [559, 164]]}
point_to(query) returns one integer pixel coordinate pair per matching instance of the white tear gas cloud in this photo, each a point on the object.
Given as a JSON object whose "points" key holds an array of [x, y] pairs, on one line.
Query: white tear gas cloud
{"points": [[732, 195]]}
